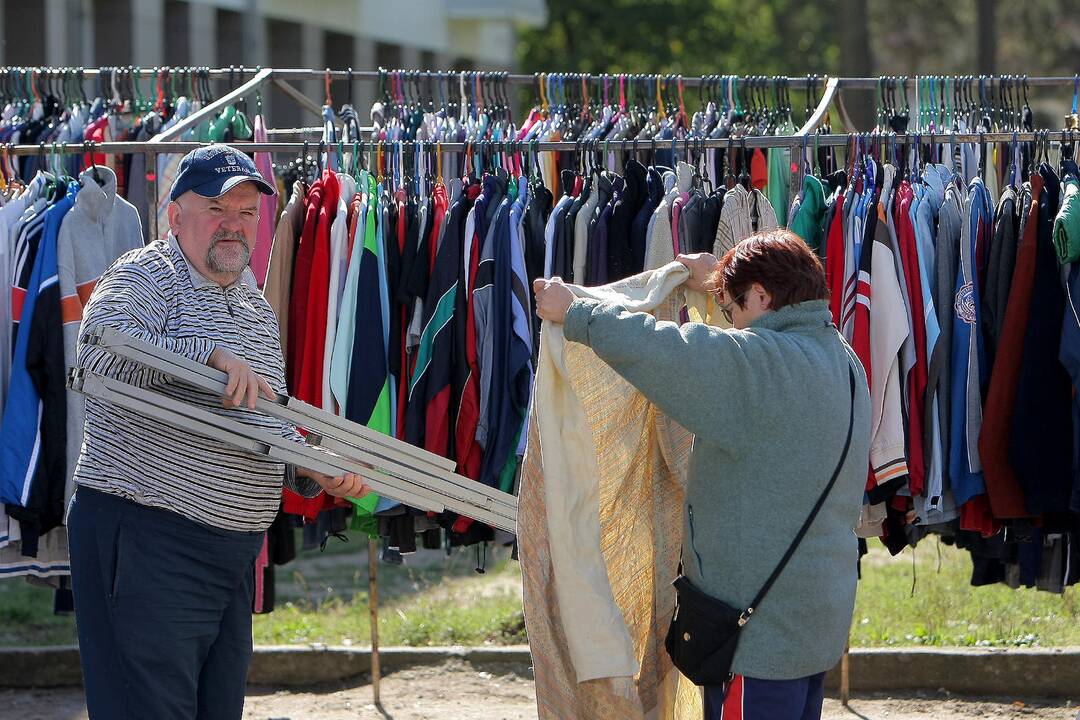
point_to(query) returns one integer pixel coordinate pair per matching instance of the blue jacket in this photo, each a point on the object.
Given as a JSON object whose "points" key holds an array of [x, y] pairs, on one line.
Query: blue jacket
{"points": [[969, 375], [33, 435]]}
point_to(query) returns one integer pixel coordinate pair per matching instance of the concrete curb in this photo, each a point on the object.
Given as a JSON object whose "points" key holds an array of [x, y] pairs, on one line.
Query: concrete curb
{"points": [[1020, 673]]}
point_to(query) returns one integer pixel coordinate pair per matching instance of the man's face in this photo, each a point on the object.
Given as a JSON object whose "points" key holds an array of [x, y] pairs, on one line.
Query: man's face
{"points": [[217, 234]]}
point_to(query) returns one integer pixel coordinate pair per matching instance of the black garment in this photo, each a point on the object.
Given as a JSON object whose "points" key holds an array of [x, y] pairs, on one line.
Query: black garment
{"points": [[460, 375], [710, 221], [1040, 444], [44, 508], [1000, 264], [690, 221], [433, 381], [536, 215], [654, 193], [622, 261], [559, 252], [593, 274]]}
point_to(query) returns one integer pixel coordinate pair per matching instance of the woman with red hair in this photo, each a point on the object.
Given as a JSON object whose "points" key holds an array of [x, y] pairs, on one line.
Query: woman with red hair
{"points": [[776, 403]]}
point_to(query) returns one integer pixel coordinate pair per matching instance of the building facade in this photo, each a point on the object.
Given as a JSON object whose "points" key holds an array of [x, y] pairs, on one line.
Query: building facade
{"points": [[362, 34]]}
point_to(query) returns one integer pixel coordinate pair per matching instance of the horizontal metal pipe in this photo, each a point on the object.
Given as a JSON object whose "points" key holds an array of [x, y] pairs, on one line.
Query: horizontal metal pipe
{"points": [[754, 141]]}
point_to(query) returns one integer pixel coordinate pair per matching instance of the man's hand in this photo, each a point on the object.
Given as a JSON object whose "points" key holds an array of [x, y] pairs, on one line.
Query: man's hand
{"points": [[244, 384], [701, 266], [347, 485], [553, 299]]}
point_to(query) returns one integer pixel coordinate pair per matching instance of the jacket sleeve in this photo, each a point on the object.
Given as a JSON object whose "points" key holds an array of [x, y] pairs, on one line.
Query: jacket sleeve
{"points": [[713, 369], [130, 300]]}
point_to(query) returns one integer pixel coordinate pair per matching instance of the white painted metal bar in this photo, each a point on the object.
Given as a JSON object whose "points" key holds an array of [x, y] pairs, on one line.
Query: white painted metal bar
{"points": [[211, 109], [209, 424]]}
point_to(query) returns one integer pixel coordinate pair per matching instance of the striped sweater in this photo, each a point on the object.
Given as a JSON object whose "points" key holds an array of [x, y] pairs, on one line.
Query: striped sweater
{"points": [[153, 293]]}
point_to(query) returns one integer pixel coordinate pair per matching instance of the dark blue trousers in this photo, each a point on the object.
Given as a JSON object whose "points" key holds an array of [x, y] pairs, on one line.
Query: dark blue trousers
{"points": [[162, 610], [751, 699]]}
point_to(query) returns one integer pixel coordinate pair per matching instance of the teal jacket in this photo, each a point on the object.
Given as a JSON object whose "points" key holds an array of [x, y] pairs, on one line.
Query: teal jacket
{"points": [[769, 409]]}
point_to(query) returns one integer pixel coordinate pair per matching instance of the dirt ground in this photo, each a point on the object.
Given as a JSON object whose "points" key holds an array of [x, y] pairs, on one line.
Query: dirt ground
{"points": [[456, 690]]}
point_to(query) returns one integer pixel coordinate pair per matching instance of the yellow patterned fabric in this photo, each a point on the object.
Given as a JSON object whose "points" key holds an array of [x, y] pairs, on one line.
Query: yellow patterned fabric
{"points": [[600, 525]]}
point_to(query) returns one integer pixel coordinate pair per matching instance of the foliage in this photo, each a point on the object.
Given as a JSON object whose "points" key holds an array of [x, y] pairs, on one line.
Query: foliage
{"points": [[691, 37]]}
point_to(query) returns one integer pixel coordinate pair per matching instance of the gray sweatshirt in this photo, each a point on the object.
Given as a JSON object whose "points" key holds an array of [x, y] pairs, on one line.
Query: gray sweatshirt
{"points": [[769, 407], [100, 228]]}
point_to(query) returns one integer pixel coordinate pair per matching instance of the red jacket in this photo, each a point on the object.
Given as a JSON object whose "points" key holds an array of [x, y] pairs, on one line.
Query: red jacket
{"points": [[915, 387], [834, 261], [301, 280], [469, 453], [1002, 487], [310, 384]]}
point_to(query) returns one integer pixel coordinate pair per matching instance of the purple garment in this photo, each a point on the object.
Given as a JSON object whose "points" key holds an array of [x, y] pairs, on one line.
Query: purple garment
{"points": [[602, 224]]}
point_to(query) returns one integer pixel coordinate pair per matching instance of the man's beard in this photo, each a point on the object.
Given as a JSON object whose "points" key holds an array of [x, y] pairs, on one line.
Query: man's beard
{"points": [[232, 264]]}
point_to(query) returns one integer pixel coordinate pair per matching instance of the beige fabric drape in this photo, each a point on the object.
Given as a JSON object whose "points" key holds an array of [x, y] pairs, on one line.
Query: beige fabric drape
{"points": [[600, 525]]}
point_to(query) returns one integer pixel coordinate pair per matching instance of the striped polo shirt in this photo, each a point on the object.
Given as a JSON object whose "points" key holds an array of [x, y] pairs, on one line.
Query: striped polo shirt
{"points": [[155, 294]]}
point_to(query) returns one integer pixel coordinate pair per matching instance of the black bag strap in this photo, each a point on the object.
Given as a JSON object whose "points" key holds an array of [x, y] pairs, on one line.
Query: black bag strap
{"points": [[813, 513]]}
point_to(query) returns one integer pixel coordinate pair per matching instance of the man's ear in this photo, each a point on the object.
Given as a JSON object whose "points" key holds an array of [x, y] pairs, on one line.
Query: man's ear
{"points": [[175, 217]]}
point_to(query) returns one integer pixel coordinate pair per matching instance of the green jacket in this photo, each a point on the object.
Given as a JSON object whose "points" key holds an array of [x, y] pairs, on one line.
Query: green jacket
{"points": [[769, 408]]}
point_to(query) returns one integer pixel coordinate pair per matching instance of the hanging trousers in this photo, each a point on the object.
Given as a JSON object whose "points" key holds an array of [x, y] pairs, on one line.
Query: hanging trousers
{"points": [[162, 611], [751, 699]]}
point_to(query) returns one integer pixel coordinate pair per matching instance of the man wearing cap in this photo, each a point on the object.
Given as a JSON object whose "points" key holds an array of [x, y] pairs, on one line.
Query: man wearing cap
{"points": [[165, 526]]}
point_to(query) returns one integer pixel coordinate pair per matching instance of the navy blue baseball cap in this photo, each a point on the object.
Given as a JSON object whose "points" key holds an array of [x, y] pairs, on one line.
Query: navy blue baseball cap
{"points": [[213, 170]]}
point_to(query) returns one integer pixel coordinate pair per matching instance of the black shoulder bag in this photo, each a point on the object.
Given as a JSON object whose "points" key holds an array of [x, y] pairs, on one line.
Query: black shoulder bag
{"points": [[704, 631]]}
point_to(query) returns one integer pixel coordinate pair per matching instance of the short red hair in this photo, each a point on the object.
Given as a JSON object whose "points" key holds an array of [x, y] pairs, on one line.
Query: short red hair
{"points": [[779, 261]]}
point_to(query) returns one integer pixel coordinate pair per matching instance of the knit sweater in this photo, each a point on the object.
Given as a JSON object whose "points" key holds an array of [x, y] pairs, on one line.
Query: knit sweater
{"points": [[769, 407]]}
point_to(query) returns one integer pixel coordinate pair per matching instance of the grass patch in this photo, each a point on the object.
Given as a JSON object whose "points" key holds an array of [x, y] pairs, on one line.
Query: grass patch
{"points": [[432, 600], [946, 610], [26, 616], [438, 600]]}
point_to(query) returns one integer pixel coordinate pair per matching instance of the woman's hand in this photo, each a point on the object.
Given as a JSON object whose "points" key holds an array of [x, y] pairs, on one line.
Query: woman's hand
{"points": [[347, 485], [701, 266], [553, 299]]}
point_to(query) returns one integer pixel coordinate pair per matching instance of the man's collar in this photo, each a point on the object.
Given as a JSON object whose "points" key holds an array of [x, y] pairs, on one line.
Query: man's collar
{"points": [[198, 280]]}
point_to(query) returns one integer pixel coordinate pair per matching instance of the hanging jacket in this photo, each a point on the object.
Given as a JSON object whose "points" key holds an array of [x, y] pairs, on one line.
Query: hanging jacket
{"points": [[430, 392], [929, 197], [968, 356], [33, 433], [622, 259], [1000, 264], [278, 287], [835, 259], [888, 328], [915, 382], [808, 220], [100, 228], [1070, 358], [1041, 436], [946, 259], [1002, 487], [301, 283], [344, 332]]}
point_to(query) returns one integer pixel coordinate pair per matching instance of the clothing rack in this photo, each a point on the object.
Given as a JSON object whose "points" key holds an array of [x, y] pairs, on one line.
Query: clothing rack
{"points": [[804, 138]]}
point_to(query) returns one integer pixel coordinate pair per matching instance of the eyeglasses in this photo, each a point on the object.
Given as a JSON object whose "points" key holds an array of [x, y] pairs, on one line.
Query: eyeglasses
{"points": [[725, 309]]}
